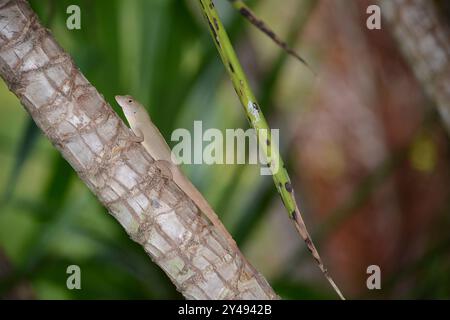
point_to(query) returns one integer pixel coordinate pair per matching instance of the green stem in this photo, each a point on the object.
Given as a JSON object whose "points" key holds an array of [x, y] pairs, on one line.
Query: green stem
{"points": [[259, 123], [248, 101]]}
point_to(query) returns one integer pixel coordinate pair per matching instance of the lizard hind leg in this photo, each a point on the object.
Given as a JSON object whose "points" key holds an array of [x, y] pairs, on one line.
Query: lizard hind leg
{"points": [[164, 168], [169, 172], [165, 172]]}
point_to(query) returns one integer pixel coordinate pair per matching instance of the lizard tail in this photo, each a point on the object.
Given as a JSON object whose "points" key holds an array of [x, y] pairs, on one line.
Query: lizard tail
{"points": [[301, 228]]}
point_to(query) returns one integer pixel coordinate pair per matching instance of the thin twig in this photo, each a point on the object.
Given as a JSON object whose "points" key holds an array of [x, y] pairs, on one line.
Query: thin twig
{"points": [[247, 13]]}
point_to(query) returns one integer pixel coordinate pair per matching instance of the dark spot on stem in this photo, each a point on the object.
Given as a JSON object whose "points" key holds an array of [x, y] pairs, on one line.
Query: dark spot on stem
{"points": [[309, 243], [216, 24], [293, 215], [231, 67], [216, 38], [288, 187], [246, 13]]}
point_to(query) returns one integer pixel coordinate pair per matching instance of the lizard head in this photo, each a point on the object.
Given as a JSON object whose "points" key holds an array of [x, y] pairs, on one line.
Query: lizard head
{"points": [[128, 104]]}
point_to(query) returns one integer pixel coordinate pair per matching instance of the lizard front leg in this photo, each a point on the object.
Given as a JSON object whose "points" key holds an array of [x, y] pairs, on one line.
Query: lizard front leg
{"points": [[164, 168], [136, 137]]}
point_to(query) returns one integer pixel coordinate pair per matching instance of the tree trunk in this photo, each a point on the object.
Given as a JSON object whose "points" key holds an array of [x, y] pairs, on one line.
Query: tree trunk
{"points": [[199, 260], [424, 40]]}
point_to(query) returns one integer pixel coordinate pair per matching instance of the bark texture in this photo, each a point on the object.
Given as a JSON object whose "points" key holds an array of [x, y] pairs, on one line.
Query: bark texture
{"points": [[93, 139], [424, 39]]}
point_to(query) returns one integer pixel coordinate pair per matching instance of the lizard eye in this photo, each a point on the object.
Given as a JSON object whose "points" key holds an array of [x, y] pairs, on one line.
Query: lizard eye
{"points": [[130, 101]]}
